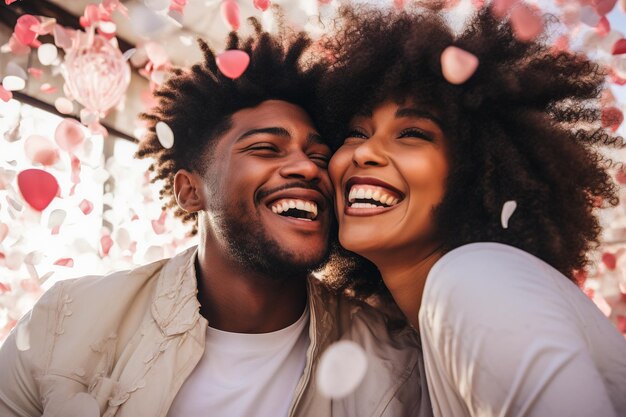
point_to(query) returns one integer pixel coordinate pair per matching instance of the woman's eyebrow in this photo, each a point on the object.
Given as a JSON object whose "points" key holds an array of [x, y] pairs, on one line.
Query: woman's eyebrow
{"points": [[418, 113]]}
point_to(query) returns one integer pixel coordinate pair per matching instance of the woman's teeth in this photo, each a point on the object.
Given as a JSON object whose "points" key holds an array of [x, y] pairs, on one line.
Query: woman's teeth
{"points": [[371, 197], [300, 209]]}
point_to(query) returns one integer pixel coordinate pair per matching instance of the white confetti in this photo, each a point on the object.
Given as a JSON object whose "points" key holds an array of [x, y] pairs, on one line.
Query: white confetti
{"points": [[63, 105], [13, 83], [341, 370], [507, 211], [165, 135], [47, 53], [22, 338]]}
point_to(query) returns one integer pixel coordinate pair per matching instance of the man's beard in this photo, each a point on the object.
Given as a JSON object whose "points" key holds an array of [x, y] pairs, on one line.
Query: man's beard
{"points": [[252, 248]]}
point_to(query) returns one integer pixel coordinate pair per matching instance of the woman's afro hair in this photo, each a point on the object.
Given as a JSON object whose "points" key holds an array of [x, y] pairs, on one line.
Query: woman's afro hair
{"points": [[525, 127], [197, 103]]}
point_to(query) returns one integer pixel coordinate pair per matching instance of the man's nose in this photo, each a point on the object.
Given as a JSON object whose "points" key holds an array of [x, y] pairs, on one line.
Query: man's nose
{"points": [[300, 166]]}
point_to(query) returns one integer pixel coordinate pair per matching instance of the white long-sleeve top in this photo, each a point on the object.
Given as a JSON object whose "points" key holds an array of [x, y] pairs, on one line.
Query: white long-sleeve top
{"points": [[505, 334]]}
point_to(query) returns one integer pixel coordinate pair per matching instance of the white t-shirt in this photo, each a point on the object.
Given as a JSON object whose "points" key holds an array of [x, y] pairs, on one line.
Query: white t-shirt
{"points": [[505, 334], [245, 375]]}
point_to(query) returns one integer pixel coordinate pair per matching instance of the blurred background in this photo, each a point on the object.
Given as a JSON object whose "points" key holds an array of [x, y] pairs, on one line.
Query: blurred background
{"points": [[76, 73]]}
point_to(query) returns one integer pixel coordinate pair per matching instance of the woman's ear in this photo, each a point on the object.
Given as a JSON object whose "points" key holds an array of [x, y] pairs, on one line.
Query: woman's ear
{"points": [[188, 191]]}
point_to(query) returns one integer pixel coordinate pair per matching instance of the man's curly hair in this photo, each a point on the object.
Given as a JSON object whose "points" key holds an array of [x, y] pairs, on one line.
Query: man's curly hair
{"points": [[525, 127], [197, 104]]}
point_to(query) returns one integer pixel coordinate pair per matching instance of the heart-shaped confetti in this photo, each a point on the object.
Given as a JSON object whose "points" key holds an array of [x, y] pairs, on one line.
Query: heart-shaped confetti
{"points": [[507, 211], [458, 65], [233, 63], [230, 13], [164, 135], [262, 5], [619, 47], [341, 369], [69, 135], [37, 187]]}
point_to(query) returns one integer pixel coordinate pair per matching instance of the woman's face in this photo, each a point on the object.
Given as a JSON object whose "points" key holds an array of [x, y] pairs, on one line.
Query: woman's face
{"points": [[388, 175]]}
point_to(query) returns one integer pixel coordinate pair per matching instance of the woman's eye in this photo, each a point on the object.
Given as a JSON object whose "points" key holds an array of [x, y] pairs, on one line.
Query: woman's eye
{"points": [[415, 133], [355, 134]]}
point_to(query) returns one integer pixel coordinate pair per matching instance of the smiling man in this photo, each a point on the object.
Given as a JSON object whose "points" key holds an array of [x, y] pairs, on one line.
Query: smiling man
{"points": [[236, 326]]}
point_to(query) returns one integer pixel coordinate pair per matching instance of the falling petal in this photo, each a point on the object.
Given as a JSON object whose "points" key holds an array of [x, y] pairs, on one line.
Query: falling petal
{"points": [[63, 105], [230, 13], [232, 63], [47, 53], [458, 65], [13, 83], [86, 206], [165, 135], [66, 262], [507, 211], [37, 187], [341, 369]]}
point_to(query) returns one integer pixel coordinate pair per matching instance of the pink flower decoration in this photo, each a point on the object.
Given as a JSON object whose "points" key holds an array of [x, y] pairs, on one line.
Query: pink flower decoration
{"points": [[458, 65], [230, 13], [37, 187], [232, 63]]}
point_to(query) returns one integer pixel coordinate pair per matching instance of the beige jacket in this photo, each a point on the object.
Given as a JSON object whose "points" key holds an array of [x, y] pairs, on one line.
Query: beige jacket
{"points": [[122, 345]]}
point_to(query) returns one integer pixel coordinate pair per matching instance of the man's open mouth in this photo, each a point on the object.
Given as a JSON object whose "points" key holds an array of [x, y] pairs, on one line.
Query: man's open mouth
{"points": [[296, 208]]}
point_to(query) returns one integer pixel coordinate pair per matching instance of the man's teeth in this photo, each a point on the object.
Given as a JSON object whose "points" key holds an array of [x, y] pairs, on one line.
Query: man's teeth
{"points": [[284, 205], [377, 194]]}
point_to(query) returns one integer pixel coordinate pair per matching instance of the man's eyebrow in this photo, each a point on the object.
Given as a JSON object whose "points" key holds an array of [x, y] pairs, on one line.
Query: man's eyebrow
{"points": [[315, 138], [419, 113], [275, 131]]}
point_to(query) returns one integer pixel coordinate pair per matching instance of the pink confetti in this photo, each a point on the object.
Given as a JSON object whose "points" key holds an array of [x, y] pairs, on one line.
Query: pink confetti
{"points": [[604, 27], [5, 95], [75, 177], [48, 89], [603, 6], [63, 105], [69, 135], [609, 260], [526, 22], [230, 14], [40, 150], [17, 47], [105, 244], [458, 65], [262, 5], [7, 2], [86, 206], [612, 118], [67, 262], [501, 7], [36, 73], [159, 225], [37, 187], [232, 63], [619, 47], [4, 288], [26, 29]]}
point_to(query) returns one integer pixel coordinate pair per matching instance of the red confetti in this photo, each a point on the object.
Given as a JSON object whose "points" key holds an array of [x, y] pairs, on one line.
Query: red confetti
{"points": [[621, 323], [26, 29], [86, 206], [604, 27], [5, 95], [262, 5], [619, 47], [609, 260], [612, 118], [37, 187], [67, 262], [603, 6]]}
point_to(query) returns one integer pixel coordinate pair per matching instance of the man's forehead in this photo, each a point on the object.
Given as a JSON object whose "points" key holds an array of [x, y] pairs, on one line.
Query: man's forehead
{"points": [[272, 111]]}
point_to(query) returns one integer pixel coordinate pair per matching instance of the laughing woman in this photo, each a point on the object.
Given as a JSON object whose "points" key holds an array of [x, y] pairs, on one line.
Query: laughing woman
{"points": [[422, 173]]}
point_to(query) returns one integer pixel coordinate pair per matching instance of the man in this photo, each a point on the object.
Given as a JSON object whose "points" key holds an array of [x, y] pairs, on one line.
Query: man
{"points": [[236, 326]]}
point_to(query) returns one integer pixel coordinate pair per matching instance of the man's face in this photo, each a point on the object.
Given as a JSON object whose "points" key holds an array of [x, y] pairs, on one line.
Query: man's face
{"points": [[268, 194]]}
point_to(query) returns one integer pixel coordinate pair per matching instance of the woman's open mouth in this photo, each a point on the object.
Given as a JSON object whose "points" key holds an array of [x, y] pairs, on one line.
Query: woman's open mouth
{"points": [[368, 196]]}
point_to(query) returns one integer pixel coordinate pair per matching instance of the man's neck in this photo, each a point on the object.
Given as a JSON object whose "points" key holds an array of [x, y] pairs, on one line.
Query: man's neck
{"points": [[234, 299]]}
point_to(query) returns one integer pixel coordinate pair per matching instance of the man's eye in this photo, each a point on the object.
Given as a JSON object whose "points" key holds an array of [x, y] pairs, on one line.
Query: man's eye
{"points": [[415, 133], [323, 159], [263, 148]]}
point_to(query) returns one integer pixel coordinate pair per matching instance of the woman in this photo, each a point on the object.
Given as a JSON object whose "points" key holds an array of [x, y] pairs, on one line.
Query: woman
{"points": [[422, 174]]}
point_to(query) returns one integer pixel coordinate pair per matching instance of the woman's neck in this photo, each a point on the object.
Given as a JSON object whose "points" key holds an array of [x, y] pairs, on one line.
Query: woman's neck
{"points": [[406, 282]]}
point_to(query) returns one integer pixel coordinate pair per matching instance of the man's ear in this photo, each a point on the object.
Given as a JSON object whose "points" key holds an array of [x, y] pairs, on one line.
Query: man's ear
{"points": [[188, 191]]}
